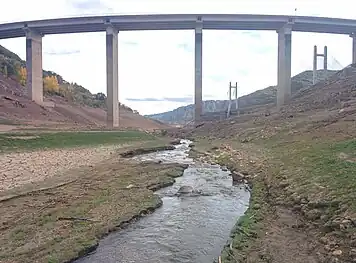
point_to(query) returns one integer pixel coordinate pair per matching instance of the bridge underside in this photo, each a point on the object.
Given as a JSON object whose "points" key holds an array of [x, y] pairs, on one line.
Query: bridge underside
{"points": [[284, 25]]}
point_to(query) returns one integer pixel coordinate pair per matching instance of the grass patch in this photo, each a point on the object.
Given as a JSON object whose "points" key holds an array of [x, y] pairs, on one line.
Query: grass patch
{"points": [[248, 227], [52, 259], [12, 142], [8, 122], [326, 169], [316, 171]]}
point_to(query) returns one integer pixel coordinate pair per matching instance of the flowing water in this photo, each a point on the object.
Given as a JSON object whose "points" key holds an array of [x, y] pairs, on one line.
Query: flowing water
{"points": [[191, 228]]}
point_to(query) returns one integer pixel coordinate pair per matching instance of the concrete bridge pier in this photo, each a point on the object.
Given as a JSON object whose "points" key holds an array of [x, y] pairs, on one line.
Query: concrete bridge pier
{"points": [[353, 35], [34, 82], [112, 77], [198, 93], [284, 82]]}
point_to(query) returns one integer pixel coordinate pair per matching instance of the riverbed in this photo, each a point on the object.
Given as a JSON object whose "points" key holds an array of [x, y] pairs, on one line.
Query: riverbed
{"points": [[187, 228]]}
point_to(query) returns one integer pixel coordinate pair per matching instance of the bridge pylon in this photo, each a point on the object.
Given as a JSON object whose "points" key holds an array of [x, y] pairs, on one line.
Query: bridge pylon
{"points": [[112, 77], [284, 83], [315, 61], [34, 81], [198, 57]]}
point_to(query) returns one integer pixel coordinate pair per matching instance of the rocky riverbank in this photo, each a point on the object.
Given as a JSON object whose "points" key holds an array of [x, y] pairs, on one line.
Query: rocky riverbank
{"points": [[139, 151], [292, 217]]}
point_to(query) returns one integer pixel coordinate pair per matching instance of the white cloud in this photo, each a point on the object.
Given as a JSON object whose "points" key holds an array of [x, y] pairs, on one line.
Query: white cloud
{"points": [[160, 64]]}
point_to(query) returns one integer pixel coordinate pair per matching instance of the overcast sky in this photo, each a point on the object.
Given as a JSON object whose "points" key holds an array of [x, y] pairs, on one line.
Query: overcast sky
{"points": [[156, 68]]}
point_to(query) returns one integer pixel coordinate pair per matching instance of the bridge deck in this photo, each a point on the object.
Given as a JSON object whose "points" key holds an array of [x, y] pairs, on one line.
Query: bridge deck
{"points": [[180, 22]]}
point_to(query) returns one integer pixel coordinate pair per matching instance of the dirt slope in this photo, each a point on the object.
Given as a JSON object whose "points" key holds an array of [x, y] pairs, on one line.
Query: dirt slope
{"points": [[15, 107]]}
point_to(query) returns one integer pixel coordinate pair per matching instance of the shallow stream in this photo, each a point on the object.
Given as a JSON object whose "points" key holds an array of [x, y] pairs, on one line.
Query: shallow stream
{"points": [[187, 228]]}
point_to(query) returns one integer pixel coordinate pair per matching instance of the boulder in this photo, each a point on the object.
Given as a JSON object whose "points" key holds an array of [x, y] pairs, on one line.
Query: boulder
{"points": [[185, 189]]}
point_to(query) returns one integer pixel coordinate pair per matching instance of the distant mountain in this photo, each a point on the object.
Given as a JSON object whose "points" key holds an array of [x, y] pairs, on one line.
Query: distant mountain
{"points": [[265, 96]]}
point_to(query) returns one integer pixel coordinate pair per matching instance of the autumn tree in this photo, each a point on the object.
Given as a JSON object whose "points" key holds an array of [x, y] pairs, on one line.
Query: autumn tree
{"points": [[22, 75], [50, 84]]}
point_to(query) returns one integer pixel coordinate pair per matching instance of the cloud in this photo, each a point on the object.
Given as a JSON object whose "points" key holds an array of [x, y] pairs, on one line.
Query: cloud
{"points": [[130, 43], [89, 5], [160, 64], [62, 53], [186, 47], [264, 50], [144, 99], [86, 4], [180, 99], [216, 78], [253, 34]]}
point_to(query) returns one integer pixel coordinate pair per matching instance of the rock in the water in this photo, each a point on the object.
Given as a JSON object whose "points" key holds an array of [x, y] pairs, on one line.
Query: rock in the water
{"points": [[224, 169], [175, 142], [237, 177], [186, 189]]}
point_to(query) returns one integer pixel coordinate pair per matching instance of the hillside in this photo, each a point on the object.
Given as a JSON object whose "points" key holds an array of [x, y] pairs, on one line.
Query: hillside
{"points": [[265, 96], [65, 103]]}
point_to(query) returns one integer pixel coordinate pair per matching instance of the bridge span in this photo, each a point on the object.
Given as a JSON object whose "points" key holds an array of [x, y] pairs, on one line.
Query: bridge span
{"points": [[283, 25]]}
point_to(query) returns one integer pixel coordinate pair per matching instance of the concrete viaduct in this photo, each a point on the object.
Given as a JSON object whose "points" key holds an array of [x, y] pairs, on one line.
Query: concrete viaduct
{"points": [[283, 25]]}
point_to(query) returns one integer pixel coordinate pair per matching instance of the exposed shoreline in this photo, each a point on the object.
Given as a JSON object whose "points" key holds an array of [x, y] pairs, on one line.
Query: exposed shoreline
{"points": [[198, 153], [290, 218], [144, 211], [115, 194], [122, 225]]}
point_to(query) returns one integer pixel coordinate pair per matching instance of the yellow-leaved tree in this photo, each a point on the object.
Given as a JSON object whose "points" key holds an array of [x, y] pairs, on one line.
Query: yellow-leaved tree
{"points": [[22, 75], [50, 84]]}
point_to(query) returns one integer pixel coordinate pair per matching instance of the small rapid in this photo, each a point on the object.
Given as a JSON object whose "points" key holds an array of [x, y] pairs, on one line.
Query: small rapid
{"points": [[187, 228]]}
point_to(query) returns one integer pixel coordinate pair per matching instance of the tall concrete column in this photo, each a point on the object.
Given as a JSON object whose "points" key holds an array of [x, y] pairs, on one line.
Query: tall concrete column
{"points": [[198, 94], [325, 59], [353, 48], [315, 63], [284, 84], [112, 77], [34, 81]]}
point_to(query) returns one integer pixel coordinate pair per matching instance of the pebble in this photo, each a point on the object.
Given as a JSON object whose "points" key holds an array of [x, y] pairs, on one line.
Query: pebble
{"points": [[324, 240], [337, 252], [345, 221], [324, 217]]}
